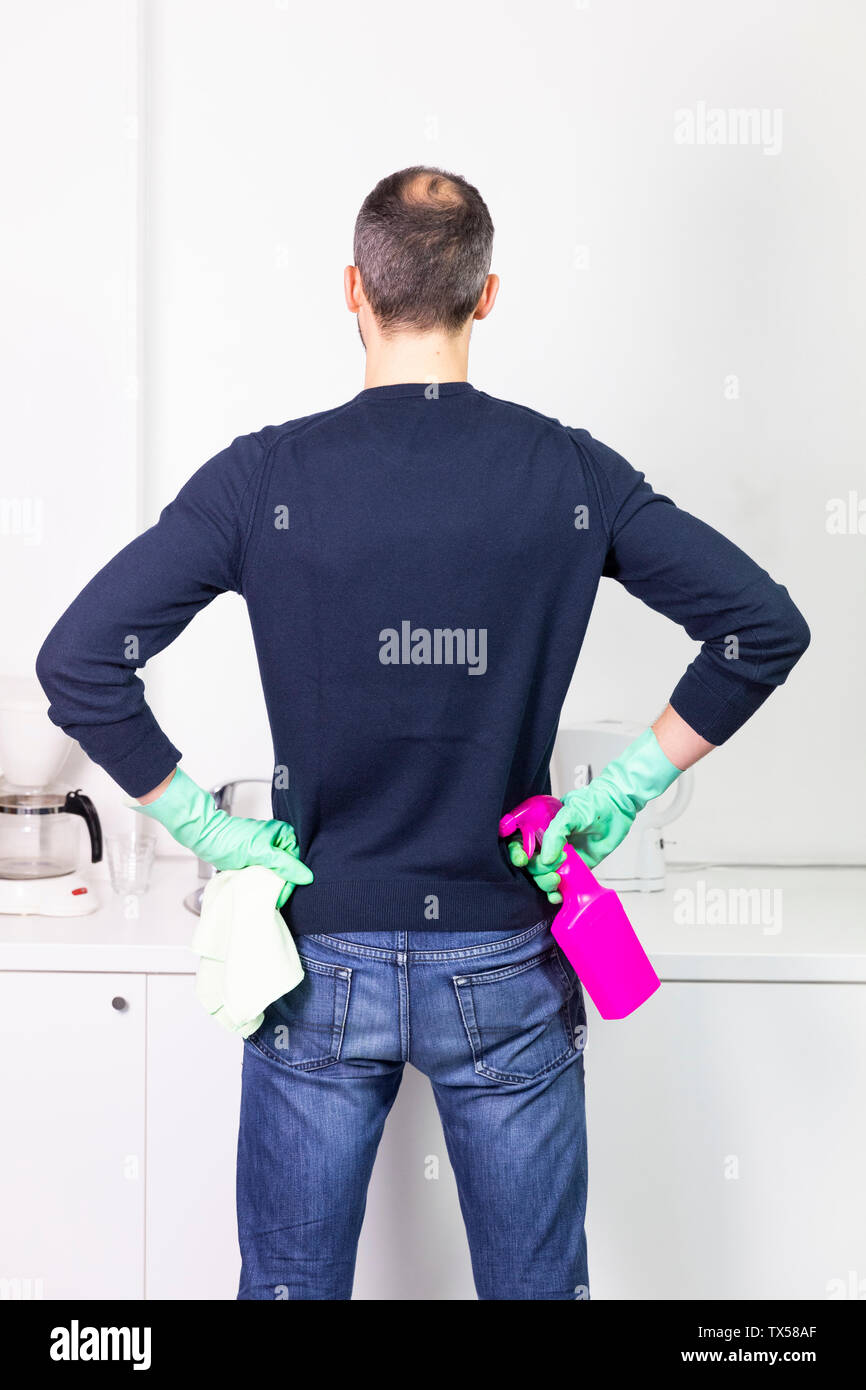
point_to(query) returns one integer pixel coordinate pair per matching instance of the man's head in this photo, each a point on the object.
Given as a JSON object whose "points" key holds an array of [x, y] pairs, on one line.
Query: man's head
{"points": [[423, 244]]}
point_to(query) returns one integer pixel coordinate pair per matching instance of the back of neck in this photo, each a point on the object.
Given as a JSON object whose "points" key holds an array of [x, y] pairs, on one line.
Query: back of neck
{"points": [[423, 357]]}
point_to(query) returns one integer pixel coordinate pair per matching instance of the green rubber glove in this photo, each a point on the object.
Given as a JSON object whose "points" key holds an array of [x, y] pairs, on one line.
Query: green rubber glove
{"points": [[597, 818], [190, 814]]}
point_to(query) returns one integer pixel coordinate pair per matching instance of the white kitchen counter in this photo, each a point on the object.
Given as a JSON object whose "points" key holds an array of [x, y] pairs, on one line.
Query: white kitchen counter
{"points": [[157, 941], [808, 924]]}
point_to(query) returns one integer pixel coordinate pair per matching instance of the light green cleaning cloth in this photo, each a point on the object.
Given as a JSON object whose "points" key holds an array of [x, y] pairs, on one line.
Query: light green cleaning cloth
{"points": [[248, 956]]}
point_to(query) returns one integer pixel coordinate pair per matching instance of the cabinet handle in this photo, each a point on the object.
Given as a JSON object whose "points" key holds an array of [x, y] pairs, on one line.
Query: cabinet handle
{"points": [[119, 1003]]}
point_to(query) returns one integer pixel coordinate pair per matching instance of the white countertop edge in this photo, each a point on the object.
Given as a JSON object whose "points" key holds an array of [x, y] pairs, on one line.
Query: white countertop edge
{"points": [[163, 959], [755, 969]]}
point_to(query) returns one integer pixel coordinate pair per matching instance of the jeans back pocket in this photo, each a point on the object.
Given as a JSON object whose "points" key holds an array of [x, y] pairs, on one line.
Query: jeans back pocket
{"points": [[522, 1020], [304, 1029]]}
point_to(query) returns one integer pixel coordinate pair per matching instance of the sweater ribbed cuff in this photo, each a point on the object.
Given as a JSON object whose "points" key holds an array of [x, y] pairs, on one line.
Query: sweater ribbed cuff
{"points": [[715, 712], [149, 758]]}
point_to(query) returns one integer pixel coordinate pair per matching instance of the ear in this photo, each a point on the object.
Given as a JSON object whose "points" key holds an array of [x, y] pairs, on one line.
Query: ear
{"points": [[488, 297], [352, 288]]}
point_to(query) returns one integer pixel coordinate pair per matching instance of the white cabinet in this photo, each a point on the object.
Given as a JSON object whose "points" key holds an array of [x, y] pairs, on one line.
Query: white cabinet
{"points": [[72, 1159], [193, 1100], [727, 1143]]}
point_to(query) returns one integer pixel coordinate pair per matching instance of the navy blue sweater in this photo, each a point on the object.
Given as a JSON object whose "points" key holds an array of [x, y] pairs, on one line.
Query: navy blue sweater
{"points": [[419, 571]]}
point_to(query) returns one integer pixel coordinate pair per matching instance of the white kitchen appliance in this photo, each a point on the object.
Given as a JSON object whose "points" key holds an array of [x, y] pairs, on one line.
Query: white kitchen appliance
{"points": [[581, 753], [39, 821]]}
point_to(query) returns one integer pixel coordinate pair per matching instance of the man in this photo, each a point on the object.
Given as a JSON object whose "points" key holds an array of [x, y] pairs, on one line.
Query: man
{"points": [[419, 566]]}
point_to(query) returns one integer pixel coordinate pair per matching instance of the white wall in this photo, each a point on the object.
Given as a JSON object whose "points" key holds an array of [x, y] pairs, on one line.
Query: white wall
{"points": [[270, 123], [70, 328], [639, 275], [68, 286]]}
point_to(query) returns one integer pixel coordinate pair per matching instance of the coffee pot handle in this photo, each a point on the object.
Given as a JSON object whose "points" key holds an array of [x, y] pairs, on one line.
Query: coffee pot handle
{"points": [[78, 804]]}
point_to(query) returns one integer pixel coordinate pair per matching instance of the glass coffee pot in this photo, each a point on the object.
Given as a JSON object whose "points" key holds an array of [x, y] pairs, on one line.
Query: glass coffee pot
{"points": [[40, 836], [39, 833]]}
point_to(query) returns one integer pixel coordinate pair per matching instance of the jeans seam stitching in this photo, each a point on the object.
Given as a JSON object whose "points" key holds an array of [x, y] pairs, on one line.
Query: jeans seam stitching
{"points": [[507, 972], [487, 948], [419, 956], [348, 982]]}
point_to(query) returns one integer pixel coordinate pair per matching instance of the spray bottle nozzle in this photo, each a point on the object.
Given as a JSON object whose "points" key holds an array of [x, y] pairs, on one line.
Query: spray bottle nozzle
{"points": [[531, 818]]}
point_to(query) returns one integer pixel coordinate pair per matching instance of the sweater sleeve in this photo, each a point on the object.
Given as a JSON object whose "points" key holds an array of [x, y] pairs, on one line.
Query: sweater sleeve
{"points": [[751, 633], [139, 603]]}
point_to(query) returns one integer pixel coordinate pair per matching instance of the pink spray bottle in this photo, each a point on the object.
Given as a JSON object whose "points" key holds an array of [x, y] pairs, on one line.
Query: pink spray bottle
{"points": [[591, 926]]}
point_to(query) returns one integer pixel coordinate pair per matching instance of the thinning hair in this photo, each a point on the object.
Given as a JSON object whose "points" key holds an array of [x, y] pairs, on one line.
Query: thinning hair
{"points": [[423, 245]]}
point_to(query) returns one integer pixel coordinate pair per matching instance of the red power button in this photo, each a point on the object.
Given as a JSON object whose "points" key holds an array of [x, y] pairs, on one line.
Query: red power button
{"points": [[76, 891]]}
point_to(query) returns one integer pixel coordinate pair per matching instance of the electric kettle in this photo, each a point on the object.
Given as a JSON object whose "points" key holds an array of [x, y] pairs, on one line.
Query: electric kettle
{"points": [[581, 753]]}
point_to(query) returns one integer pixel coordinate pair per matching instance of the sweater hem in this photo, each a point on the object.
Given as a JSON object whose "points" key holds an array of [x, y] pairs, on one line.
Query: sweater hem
{"points": [[435, 905]]}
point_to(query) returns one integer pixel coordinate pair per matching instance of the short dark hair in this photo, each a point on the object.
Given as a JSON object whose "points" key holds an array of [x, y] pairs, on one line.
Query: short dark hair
{"points": [[423, 244]]}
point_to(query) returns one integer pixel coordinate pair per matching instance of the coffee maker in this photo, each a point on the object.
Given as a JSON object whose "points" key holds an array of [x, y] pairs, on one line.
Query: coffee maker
{"points": [[39, 830]]}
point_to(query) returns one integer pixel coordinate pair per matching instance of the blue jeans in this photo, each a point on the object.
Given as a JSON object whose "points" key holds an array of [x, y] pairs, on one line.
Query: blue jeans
{"points": [[498, 1023]]}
